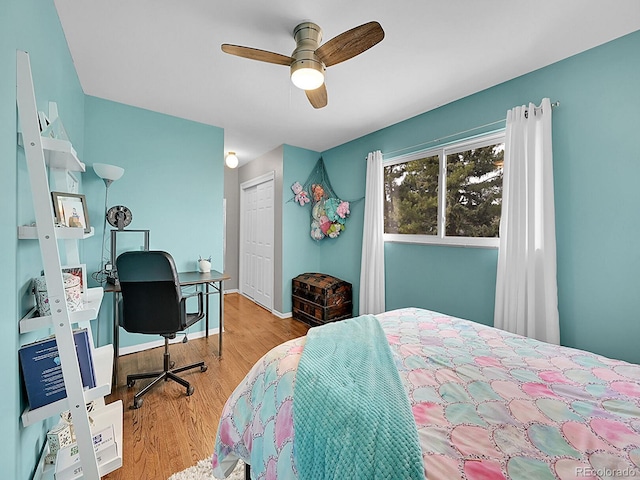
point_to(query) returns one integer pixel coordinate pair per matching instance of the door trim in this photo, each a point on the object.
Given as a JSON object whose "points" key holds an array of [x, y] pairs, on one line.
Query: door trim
{"points": [[258, 180]]}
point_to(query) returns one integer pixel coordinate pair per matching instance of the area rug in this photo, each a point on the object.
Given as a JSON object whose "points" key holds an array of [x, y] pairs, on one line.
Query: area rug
{"points": [[202, 471]]}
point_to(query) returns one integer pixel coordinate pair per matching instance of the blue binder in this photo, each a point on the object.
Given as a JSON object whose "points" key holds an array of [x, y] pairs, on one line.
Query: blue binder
{"points": [[42, 371]]}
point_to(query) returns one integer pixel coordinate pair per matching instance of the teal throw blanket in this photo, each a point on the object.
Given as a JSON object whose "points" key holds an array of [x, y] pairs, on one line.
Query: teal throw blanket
{"points": [[352, 417]]}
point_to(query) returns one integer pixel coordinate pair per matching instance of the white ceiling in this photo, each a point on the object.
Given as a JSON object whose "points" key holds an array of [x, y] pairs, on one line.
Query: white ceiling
{"points": [[164, 55]]}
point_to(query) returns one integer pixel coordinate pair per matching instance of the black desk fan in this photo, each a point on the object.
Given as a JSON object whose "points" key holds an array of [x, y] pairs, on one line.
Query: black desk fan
{"points": [[119, 216]]}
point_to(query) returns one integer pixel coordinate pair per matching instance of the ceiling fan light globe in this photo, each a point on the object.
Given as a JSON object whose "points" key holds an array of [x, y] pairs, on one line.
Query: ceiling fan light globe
{"points": [[307, 78], [231, 160]]}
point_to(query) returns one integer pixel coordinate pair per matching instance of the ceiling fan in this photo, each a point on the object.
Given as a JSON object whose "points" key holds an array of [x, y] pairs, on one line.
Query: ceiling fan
{"points": [[309, 60]]}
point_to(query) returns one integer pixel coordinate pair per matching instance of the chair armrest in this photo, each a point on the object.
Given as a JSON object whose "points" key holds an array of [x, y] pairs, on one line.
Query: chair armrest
{"points": [[200, 311], [189, 295]]}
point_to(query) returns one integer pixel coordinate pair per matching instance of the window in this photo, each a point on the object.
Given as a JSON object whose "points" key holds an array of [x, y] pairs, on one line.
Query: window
{"points": [[448, 195]]}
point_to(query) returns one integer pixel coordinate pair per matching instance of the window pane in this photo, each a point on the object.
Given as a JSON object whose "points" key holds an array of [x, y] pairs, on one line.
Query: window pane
{"points": [[411, 197], [474, 192]]}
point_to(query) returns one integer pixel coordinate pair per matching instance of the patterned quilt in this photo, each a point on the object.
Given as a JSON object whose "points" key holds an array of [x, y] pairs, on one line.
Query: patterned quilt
{"points": [[487, 404]]}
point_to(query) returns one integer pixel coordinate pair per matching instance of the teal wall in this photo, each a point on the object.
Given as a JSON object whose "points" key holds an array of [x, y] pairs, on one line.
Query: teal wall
{"points": [[347, 171], [300, 253], [596, 170], [173, 184], [32, 26]]}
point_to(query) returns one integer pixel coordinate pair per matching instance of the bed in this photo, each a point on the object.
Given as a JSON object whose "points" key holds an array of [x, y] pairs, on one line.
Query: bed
{"points": [[485, 404]]}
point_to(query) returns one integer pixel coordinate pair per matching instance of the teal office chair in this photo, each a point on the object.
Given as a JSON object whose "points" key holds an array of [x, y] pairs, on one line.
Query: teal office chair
{"points": [[152, 302]]}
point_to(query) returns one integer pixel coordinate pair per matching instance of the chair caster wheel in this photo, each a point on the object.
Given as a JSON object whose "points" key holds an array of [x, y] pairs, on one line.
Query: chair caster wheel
{"points": [[190, 391], [131, 383], [172, 364], [137, 403], [203, 368]]}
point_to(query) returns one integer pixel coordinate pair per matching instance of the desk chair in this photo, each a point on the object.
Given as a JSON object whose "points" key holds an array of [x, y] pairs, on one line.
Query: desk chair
{"points": [[152, 302]]}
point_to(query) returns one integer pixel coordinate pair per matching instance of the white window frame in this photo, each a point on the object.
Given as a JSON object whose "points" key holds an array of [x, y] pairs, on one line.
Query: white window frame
{"points": [[441, 152]]}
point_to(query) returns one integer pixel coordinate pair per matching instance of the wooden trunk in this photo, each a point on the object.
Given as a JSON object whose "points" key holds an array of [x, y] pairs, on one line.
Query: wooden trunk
{"points": [[320, 298]]}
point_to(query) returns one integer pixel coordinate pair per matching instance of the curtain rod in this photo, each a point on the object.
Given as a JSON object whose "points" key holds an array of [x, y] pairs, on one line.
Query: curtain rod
{"points": [[436, 140], [537, 109]]}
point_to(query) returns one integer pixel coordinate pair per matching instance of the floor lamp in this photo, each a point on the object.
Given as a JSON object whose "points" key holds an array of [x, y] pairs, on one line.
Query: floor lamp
{"points": [[108, 173]]}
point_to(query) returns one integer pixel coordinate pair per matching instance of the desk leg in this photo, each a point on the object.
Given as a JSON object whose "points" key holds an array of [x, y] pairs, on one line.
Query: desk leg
{"points": [[116, 339], [220, 318], [207, 310]]}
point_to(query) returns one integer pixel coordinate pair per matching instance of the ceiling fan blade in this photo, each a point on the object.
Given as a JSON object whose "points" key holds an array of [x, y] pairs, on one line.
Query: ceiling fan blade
{"points": [[257, 54], [317, 97], [350, 43]]}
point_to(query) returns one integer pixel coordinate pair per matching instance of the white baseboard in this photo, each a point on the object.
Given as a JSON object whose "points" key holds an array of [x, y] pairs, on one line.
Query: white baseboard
{"points": [[245, 296], [273, 311], [158, 343], [231, 290]]}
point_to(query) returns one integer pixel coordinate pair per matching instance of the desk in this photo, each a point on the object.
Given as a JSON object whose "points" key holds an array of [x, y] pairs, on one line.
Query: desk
{"points": [[208, 279]]}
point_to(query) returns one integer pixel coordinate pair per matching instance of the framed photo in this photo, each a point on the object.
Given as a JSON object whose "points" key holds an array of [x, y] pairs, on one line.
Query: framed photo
{"points": [[71, 210], [80, 271]]}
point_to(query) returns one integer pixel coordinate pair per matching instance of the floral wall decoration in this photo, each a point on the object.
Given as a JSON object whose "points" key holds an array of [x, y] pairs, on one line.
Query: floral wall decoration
{"points": [[328, 212]]}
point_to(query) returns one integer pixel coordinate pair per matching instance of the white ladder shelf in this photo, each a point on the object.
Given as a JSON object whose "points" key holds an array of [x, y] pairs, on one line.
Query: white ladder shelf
{"points": [[39, 153]]}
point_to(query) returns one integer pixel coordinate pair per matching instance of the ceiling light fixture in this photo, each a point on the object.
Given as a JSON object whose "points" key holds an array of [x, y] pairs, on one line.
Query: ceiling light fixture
{"points": [[309, 60], [231, 160], [307, 74], [307, 71]]}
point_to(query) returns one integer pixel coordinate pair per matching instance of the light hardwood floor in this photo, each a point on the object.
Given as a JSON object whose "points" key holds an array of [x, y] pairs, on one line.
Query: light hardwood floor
{"points": [[171, 431]]}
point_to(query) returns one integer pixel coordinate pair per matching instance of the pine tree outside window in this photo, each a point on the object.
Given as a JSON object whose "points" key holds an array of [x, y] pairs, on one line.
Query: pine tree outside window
{"points": [[448, 195]]}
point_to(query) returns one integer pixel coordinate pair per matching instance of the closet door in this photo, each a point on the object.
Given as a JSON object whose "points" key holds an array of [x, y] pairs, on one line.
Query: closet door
{"points": [[256, 244]]}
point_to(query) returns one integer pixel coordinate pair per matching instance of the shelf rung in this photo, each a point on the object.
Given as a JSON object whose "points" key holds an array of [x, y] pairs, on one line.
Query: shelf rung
{"points": [[31, 322], [30, 232], [30, 417], [59, 153]]}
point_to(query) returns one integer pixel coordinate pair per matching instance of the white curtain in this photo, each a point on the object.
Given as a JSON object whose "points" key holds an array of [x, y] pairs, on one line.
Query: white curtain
{"points": [[526, 285], [372, 267]]}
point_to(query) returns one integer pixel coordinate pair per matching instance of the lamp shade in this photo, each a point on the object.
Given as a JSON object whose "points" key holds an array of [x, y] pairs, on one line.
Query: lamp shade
{"points": [[109, 173], [231, 160]]}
